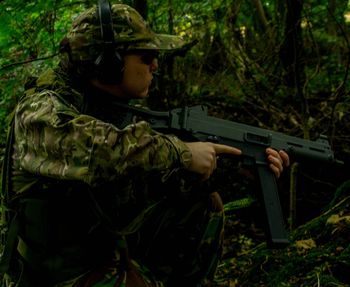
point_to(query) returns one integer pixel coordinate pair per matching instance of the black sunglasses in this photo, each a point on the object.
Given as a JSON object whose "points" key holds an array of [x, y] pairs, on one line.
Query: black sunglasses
{"points": [[147, 56]]}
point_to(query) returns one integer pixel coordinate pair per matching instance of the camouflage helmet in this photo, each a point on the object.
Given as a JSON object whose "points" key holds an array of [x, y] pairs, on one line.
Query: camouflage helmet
{"points": [[130, 32]]}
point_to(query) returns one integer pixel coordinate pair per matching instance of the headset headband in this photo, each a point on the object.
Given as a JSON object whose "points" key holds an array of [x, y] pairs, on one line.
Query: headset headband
{"points": [[106, 24], [109, 63]]}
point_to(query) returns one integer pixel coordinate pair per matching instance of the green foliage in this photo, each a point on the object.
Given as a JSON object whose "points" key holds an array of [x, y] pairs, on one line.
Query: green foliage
{"points": [[237, 68], [238, 54], [30, 30], [241, 68], [317, 255]]}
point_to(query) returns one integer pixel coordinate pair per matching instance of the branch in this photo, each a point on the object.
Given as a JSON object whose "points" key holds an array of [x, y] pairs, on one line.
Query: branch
{"points": [[5, 67]]}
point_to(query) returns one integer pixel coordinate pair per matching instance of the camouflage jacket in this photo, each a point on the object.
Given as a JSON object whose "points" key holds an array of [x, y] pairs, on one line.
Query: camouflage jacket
{"points": [[54, 139], [61, 156]]}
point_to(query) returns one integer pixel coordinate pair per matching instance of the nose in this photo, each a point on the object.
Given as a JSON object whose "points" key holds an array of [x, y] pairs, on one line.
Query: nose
{"points": [[154, 65]]}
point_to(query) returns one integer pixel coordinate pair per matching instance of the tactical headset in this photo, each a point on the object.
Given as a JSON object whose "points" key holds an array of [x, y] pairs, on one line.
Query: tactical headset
{"points": [[109, 64]]}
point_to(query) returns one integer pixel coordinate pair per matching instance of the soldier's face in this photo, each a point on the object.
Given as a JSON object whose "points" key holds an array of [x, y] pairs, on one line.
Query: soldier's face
{"points": [[138, 75]]}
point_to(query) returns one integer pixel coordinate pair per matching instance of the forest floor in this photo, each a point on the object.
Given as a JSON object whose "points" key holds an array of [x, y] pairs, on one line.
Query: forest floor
{"points": [[318, 253]]}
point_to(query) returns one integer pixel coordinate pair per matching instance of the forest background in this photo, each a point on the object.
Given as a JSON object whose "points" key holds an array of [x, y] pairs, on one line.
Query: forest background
{"points": [[277, 64]]}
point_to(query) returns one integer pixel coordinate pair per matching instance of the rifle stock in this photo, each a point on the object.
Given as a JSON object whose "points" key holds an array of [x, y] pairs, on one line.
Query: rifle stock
{"points": [[195, 123]]}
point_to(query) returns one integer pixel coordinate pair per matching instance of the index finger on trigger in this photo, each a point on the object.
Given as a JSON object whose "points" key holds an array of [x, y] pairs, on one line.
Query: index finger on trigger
{"points": [[225, 149]]}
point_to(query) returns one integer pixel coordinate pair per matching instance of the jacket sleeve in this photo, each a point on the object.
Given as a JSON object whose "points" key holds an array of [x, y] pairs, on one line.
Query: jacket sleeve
{"points": [[53, 139]]}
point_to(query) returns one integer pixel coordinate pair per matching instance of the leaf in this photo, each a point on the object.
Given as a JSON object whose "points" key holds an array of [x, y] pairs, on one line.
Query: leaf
{"points": [[304, 245], [336, 219]]}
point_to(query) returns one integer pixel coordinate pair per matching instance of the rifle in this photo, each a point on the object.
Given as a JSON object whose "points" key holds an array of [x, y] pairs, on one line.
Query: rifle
{"points": [[195, 124]]}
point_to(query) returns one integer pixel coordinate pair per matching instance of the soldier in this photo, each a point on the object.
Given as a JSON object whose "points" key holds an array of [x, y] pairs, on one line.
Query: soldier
{"points": [[99, 200]]}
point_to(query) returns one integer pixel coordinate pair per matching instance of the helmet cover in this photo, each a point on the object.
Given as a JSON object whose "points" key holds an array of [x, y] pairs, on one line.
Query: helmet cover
{"points": [[131, 32]]}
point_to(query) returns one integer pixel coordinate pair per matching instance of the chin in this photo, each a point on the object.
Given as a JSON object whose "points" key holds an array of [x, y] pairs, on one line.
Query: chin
{"points": [[143, 95]]}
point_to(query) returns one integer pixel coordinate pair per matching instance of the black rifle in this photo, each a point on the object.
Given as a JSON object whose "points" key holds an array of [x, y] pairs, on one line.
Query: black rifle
{"points": [[195, 124]]}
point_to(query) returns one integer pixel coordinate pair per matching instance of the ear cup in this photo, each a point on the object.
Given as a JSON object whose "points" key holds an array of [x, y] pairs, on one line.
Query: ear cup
{"points": [[109, 64], [109, 67]]}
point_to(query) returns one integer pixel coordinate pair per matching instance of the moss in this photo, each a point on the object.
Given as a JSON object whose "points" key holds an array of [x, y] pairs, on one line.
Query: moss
{"points": [[318, 254]]}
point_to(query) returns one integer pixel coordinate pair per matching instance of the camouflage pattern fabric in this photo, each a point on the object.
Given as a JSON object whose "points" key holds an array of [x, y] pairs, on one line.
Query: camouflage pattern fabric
{"points": [[55, 141], [179, 246], [173, 233], [182, 246], [131, 32]]}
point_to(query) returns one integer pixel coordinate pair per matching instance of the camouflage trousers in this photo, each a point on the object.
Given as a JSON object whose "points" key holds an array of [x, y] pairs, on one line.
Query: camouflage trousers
{"points": [[179, 244]]}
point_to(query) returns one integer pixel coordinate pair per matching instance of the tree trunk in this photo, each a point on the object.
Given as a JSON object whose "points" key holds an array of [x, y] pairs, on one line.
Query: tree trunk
{"points": [[279, 18], [262, 19], [292, 60], [331, 24], [164, 95]]}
